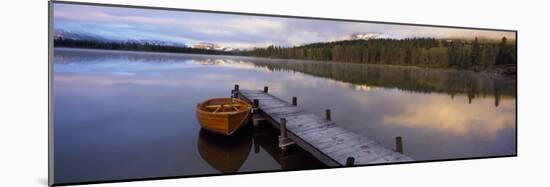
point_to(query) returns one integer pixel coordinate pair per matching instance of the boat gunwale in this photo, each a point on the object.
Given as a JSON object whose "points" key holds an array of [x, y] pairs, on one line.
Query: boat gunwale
{"points": [[244, 103]]}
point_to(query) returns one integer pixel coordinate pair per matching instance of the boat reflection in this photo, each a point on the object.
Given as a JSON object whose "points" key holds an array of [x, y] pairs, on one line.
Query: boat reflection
{"points": [[228, 153], [225, 153]]}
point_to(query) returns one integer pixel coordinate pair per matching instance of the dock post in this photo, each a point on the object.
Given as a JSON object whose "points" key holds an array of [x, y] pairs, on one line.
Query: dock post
{"points": [[399, 144], [327, 114], [295, 101], [255, 105], [236, 88], [350, 161], [256, 117], [283, 128], [266, 89], [284, 141]]}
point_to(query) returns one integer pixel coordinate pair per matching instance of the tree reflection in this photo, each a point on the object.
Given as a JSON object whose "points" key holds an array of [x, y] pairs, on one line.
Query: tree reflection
{"points": [[412, 79]]}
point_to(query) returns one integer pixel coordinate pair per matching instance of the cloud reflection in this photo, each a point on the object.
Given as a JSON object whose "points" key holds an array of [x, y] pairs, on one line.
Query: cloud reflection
{"points": [[453, 117], [434, 124]]}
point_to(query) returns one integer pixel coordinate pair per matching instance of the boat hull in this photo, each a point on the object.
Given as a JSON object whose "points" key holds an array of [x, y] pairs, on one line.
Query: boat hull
{"points": [[225, 123]]}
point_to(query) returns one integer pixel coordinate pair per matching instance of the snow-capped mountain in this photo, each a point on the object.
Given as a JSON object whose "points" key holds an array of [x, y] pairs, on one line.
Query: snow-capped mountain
{"points": [[367, 36], [59, 33], [211, 46], [205, 45], [63, 34], [361, 36], [157, 42]]}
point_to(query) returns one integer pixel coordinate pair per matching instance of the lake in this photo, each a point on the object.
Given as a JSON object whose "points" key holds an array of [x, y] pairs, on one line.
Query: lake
{"points": [[123, 115]]}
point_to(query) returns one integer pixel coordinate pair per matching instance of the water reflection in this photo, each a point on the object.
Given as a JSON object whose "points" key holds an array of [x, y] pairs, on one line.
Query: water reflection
{"points": [[265, 137], [413, 79], [458, 119], [127, 114], [225, 153], [360, 76]]}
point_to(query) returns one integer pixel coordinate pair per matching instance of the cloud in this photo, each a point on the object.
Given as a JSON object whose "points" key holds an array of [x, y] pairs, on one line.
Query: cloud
{"points": [[238, 31]]}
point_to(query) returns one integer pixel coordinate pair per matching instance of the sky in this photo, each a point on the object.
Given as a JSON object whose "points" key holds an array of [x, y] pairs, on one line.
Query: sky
{"points": [[230, 30]]}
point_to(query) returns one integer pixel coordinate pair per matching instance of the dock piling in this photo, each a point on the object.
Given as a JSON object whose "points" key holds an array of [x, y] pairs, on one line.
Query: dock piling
{"points": [[266, 89], [295, 101], [327, 114], [257, 119], [284, 141], [283, 128], [350, 161], [399, 144], [255, 106]]}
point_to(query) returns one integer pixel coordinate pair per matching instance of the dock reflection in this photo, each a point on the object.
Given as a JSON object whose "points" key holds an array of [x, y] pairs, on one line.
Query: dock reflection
{"points": [[266, 139], [227, 154]]}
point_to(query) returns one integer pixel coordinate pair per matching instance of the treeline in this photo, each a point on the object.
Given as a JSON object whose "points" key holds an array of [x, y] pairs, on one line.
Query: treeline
{"points": [[133, 46], [423, 52]]}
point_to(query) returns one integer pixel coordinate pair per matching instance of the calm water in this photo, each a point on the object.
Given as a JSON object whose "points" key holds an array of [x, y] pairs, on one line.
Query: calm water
{"points": [[120, 115]]}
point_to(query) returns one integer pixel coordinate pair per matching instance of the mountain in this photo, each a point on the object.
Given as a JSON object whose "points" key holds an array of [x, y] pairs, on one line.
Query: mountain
{"points": [[367, 36], [205, 45], [157, 42], [211, 46], [64, 34], [359, 36]]}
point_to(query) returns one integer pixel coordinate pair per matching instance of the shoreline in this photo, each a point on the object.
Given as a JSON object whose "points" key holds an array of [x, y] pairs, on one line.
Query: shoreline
{"points": [[504, 71]]}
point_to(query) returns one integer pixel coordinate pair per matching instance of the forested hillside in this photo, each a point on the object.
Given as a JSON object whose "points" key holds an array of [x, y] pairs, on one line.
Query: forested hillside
{"points": [[424, 52], [134, 46]]}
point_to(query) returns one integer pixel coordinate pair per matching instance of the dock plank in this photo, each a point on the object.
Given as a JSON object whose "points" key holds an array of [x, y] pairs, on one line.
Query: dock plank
{"points": [[324, 139]]}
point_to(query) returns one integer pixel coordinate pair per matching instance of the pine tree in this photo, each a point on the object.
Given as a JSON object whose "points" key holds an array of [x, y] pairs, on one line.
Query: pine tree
{"points": [[505, 55], [476, 53]]}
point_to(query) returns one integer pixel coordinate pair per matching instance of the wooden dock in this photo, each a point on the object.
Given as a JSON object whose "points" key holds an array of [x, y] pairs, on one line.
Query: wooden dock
{"points": [[324, 139]]}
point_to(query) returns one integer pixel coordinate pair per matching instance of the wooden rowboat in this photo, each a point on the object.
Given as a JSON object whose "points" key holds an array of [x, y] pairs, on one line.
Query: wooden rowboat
{"points": [[223, 115]]}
